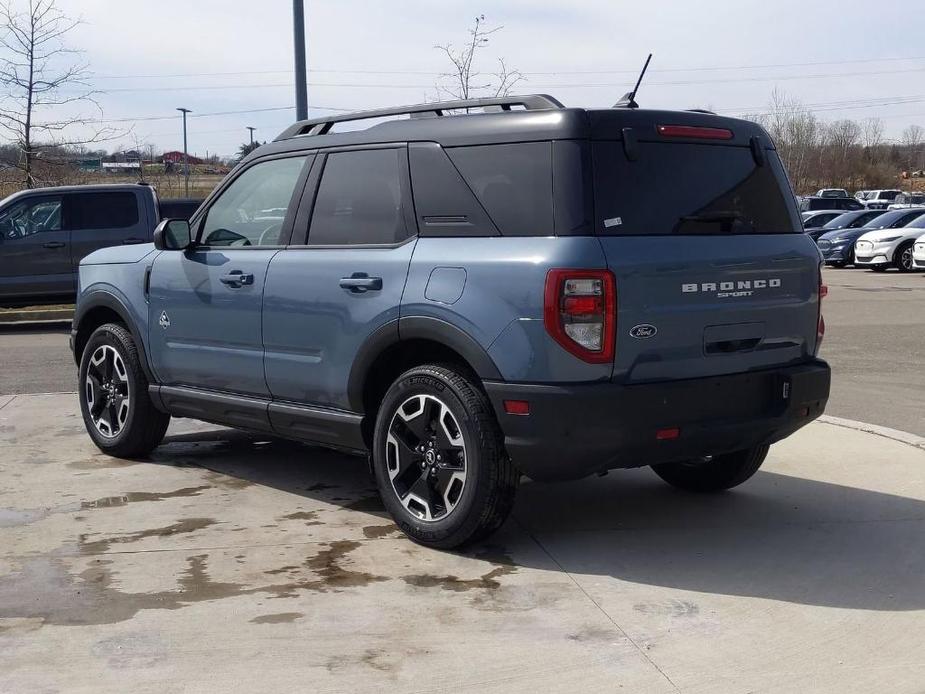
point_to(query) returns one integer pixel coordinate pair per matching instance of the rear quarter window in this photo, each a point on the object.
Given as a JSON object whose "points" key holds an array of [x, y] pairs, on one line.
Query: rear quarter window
{"points": [[676, 188], [513, 183]]}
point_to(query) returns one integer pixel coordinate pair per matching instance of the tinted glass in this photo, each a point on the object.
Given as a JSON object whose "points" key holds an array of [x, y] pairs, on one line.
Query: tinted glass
{"points": [[852, 220], [893, 219], [251, 210], [103, 210], [690, 189], [513, 183], [359, 199], [29, 217]]}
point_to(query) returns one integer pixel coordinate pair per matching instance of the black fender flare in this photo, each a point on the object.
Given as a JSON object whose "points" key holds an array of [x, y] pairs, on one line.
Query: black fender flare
{"points": [[411, 328], [102, 298]]}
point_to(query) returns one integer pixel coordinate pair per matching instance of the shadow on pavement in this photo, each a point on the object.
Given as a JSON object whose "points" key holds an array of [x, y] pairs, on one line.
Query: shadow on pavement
{"points": [[778, 537]]}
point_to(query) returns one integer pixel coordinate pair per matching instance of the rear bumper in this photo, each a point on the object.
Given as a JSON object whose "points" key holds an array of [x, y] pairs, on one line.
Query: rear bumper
{"points": [[576, 430]]}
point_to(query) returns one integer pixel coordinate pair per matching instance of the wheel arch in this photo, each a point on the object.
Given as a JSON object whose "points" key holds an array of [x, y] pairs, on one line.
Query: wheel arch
{"points": [[97, 309], [403, 344]]}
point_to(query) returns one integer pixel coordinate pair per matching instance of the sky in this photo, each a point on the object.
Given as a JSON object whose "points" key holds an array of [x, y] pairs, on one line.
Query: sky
{"points": [[149, 57]]}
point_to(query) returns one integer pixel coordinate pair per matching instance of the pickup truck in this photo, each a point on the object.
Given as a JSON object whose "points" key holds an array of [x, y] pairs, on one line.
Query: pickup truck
{"points": [[45, 232]]}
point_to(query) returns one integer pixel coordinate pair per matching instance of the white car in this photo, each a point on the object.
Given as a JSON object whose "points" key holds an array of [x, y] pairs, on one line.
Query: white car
{"points": [[880, 199], [918, 253], [880, 249], [832, 193], [905, 200]]}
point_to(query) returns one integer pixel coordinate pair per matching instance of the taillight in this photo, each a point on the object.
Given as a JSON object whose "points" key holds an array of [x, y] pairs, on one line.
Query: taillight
{"points": [[820, 325], [580, 311], [696, 132]]}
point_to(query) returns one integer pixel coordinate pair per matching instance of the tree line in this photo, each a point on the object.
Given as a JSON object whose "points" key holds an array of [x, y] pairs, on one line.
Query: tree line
{"points": [[843, 153]]}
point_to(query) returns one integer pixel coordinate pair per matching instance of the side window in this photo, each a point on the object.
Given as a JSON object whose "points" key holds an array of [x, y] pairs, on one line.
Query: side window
{"points": [[29, 217], [102, 211], [251, 210], [513, 183], [359, 199]]}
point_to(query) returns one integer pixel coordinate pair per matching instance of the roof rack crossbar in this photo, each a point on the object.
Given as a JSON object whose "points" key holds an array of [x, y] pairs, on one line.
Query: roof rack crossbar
{"points": [[321, 126]]}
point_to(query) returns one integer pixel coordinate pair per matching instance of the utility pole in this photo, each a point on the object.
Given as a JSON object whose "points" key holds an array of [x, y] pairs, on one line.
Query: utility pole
{"points": [[252, 129], [301, 79], [184, 111]]}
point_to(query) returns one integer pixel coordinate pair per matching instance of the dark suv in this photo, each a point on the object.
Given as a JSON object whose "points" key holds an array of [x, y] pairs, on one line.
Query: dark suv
{"points": [[486, 289]]}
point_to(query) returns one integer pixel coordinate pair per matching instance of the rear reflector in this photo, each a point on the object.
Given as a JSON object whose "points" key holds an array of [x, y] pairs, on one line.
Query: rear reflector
{"points": [[695, 132], [520, 407], [667, 434]]}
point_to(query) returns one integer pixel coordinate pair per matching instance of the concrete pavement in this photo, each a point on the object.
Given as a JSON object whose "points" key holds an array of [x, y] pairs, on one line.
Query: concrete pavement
{"points": [[229, 563]]}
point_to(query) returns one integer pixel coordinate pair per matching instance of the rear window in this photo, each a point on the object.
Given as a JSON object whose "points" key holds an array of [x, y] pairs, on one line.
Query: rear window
{"points": [[103, 210], [690, 189]]}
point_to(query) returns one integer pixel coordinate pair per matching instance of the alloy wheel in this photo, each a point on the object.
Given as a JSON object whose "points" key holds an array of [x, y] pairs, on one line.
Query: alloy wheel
{"points": [[107, 391], [426, 457], [905, 260]]}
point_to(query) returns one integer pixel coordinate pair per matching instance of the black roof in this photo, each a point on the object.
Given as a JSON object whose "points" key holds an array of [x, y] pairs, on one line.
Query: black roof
{"points": [[538, 118]]}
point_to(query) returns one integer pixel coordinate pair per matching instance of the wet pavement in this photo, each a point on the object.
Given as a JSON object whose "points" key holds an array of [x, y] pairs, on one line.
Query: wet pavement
{"points": [[228, 562]]}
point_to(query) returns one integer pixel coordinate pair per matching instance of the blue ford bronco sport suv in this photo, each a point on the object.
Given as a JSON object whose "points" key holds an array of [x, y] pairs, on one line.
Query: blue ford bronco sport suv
{"points": [[473, 291]]}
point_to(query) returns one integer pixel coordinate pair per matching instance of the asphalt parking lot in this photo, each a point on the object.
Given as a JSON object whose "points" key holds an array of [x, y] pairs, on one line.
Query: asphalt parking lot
{"points": [[232, 563]]}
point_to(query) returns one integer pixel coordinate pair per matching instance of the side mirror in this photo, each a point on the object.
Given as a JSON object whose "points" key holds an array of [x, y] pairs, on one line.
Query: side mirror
{"points": [[173, 235]]}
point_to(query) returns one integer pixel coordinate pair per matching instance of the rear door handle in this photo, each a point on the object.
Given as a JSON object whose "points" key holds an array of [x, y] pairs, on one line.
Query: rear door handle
{"points": [[361, 282], [54, 244], [236, 279]]}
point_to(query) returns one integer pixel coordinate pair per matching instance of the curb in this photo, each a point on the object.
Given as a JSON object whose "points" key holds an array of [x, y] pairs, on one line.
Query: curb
{"points": [[887, 433], [56, 315]]}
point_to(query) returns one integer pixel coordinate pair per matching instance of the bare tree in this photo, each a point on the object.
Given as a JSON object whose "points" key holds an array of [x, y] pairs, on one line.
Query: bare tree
{"points": [[41, 80], [465, 81], [912, 139], [872, 132]]}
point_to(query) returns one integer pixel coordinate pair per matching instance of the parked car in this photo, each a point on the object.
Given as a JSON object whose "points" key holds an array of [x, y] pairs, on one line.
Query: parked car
{"points": [[879, 250], [907, 200], [837, 246], [813, 203], [812, 221], [880, 199], [844, 220], [45, 232], [918, 253], [832, 193], [465, 299], [861, 194]]}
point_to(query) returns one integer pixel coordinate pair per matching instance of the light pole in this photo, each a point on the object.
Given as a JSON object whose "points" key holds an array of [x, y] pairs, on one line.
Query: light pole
{"points": [[184, 111], [252, 129], [301, 81]]}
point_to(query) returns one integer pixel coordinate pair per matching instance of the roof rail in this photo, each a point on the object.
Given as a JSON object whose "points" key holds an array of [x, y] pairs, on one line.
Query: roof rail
{"points": [[321, 126]]}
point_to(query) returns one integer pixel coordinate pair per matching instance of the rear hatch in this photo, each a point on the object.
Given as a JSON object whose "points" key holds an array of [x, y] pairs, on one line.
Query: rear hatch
{"points": [[701, 230]]}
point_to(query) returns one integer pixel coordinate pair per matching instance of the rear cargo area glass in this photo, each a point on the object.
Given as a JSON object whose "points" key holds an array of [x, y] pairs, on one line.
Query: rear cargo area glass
{"points": [[690, 189]]}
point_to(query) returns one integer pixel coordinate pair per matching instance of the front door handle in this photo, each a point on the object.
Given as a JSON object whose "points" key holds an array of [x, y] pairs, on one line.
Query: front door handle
{"points": [[236, 279], [361, 282], [54, 244], [132, 240]]}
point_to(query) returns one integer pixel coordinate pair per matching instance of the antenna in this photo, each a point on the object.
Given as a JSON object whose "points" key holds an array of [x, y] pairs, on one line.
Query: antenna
{"points": [[628, 100]]}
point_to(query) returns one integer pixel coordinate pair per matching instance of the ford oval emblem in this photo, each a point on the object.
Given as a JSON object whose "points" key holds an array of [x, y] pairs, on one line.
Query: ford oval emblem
{"points": [[643, 331]]}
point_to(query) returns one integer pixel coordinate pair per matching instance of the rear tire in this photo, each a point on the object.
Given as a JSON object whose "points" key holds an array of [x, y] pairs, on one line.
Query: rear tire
{"points": [[466, 493], [721, 473], [113, 392]]}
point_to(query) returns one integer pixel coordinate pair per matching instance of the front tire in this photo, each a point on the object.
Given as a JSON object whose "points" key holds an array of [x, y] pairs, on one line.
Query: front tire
{"points": [[718, 474], [114, 400], [439, 458], [903, 257]]}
